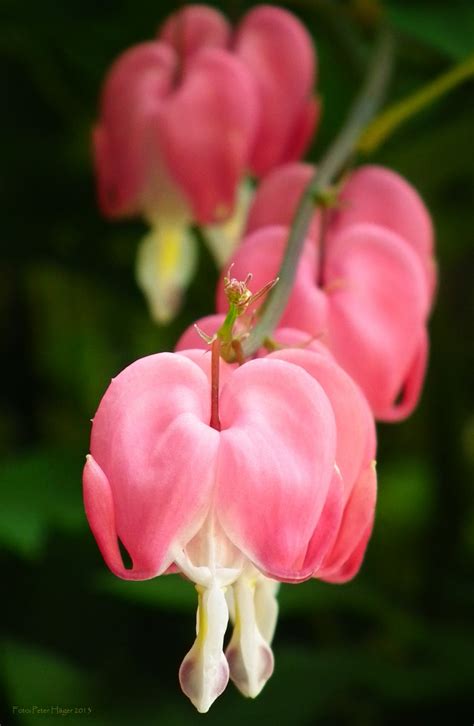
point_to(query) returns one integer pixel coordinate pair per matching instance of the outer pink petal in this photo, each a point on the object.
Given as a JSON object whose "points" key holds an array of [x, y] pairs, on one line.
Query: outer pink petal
{"points": [[344, 560], [277, 198], [328, 526], [356, 438], [278, 50], [377, 195], [150, 431], [261, 254], [412, 384], [193, 28], [125, 148], [276, 462], [99, 506], [206, 131], [377, 309], [351, 566], [355, 452]]}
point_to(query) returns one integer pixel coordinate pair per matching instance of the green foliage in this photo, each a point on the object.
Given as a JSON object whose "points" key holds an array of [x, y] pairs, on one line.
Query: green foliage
{"points": [[39, 492], [44, 686], [447, 27], [171, 592]]}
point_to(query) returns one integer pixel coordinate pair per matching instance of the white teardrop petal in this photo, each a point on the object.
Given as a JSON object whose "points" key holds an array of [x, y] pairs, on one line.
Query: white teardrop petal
{"points": [[204, 672], [266, 606], [166, 260], [249, 656]]}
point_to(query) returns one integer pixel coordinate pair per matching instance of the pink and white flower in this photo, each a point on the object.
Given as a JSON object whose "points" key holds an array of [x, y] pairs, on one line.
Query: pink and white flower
{"points": [[282, 489], [184, 118]]}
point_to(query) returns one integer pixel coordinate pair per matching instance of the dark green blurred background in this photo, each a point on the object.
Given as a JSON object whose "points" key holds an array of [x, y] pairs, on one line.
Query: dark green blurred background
{"points": [[397, 644]]}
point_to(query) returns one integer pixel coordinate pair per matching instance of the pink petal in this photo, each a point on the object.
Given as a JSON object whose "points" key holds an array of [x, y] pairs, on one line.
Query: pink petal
{"points": [[206, 131], [380, 196], [328, 526], [277, 49], [277, 198], [377, 309], [261, 254], [124, 147], [150, 431], [352, 492], [193, 28], [344, 560], [351, 567], [99, 506], [412, 384], [276, 462], [356, 438]]}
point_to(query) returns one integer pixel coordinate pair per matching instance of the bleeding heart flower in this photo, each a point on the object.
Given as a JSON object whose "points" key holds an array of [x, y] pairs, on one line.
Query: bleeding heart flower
{"points": [[279, 487], [368, 290], [163, 129], [184, 118]]}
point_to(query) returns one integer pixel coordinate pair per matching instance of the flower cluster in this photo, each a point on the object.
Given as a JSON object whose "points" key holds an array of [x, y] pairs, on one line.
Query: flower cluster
{"points": [[240, 472]]}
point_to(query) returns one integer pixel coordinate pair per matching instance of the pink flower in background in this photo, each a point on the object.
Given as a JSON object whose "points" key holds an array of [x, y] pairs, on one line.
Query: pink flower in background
{"points": [[171, 145], [282, 489], [368, 292], [184, 118]]}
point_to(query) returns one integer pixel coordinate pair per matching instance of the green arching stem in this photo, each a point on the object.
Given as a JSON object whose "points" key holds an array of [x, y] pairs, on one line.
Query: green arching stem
{"points": [[363, 110], [385, 124]]}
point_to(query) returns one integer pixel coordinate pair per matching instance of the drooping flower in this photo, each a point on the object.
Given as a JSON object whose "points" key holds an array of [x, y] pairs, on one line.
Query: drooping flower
{"points": [[184, 118], [171, 145], [260, 475], [366, 289]]}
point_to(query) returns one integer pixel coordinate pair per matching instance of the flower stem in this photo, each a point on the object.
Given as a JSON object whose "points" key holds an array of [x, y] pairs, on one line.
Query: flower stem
{"points": [[385, 124], [338, 155], [215, 366], [238, 352], [325, 214]]}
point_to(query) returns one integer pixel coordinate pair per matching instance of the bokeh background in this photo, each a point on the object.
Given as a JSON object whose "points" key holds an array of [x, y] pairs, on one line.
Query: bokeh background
{"points": [[394, 646]]}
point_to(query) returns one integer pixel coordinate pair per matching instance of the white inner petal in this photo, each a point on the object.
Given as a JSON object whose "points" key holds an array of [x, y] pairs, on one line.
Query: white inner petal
{"points": [[249, 654], [166, 260], [204, 672]]}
